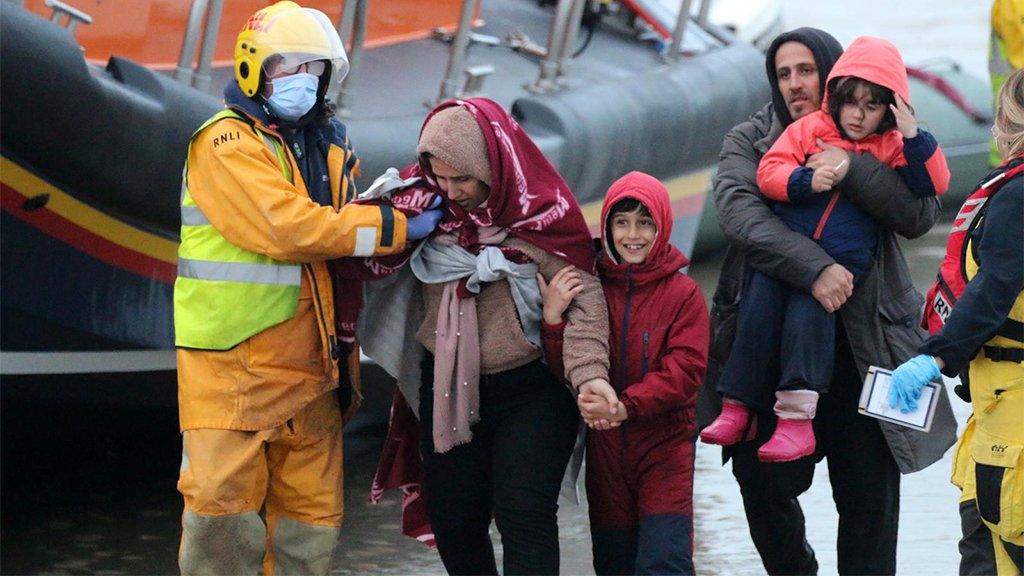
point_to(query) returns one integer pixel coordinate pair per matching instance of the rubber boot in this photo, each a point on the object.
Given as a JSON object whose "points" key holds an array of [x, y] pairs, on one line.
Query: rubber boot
{"points": [[794, 432], [735, 423]]}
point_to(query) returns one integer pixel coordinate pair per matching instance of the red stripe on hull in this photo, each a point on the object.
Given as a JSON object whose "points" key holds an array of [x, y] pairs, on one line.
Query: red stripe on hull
{"points": [[88, 242]]}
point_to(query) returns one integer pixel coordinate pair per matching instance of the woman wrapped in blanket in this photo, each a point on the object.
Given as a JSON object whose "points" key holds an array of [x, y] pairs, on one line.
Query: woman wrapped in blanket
{"points": [[497, 427]]}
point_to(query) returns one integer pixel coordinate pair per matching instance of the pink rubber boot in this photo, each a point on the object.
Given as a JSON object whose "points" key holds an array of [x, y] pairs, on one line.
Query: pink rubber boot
{"points": [[732, 425], [794, 433]]}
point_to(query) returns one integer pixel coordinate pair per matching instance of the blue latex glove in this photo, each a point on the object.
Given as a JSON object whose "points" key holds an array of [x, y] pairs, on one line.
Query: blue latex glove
{"points": [[421, 226], [908, 380]]}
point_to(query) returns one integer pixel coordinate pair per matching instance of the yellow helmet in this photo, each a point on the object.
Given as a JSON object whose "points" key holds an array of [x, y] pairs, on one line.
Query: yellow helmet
{"points": [[286, 35]]}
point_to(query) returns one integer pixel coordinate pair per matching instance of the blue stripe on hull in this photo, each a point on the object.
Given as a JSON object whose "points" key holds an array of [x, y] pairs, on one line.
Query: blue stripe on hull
{"points": [[48, 280]]}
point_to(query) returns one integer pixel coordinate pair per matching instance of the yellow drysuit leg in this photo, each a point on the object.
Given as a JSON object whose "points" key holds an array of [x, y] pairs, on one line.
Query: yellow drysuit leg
{"points": [[988, 465], [293, 472]]}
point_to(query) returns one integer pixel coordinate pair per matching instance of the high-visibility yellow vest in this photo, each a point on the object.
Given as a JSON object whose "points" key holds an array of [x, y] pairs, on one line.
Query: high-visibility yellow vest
{"points": [[223, 294]]}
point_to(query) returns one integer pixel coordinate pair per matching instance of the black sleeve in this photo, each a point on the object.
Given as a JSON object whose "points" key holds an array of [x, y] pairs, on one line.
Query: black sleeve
{"points": [[878, 189], [986, 303]]}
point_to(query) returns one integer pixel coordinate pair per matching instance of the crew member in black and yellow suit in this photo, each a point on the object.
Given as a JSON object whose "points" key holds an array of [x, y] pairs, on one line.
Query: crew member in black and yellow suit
{"points": [[263, 208], [986, 329]]}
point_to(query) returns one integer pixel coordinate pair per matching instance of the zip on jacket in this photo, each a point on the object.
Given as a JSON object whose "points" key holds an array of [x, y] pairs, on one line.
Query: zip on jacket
{"points": [[643, 365]]}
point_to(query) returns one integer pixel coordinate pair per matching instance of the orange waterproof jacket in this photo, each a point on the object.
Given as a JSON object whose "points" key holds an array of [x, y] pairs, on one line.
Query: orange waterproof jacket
{"points": [[235, 179]]}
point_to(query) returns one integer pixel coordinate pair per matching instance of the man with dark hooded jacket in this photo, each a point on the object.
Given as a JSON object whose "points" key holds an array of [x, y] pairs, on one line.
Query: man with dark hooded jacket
{"points": [[878, 326]]}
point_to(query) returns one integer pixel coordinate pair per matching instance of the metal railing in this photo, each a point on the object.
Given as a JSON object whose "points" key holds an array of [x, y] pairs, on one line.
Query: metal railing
{"points": [[565, 26], [203, 17], [348, 15], [351, 26], [547, 79], [702, 14], [74, 14], [572, 30], [457, 53], [677, 34]]}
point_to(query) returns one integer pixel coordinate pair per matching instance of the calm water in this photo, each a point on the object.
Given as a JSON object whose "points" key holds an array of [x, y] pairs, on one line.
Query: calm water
{"points": [[91, 490]]}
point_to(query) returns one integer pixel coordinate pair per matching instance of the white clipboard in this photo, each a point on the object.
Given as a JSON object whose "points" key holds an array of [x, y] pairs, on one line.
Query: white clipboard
{"points": [[874, 401]]}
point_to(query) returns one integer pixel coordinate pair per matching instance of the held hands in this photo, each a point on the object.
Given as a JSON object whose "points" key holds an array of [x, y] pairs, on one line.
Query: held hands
{"points": [[422, 225], [905, 121], [564, 286], [600, 406], [908, 380], [832, 287]]}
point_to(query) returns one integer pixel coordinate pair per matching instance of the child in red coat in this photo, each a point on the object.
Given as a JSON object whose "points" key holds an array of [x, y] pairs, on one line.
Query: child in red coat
{"points": [[640, 452], [785, 339]]}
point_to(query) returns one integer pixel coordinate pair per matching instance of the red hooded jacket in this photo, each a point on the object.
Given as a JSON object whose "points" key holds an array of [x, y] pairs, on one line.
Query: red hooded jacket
{"points": [[658, 318], [872, 59]]}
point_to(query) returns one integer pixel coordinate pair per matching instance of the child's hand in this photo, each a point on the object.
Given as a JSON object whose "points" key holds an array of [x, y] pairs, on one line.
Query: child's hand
{"points": [[905, 121], [824, 179], [599, 404], [832, 156], [564, 286]]}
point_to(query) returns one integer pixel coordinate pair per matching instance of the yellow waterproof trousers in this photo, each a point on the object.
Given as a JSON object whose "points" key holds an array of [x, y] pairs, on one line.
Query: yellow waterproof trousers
{"points": [[988, 466], [292, 473]]}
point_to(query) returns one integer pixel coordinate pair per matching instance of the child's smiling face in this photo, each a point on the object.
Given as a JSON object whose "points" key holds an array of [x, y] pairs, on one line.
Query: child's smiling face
{"points": [[633, 235], [861, 115]]}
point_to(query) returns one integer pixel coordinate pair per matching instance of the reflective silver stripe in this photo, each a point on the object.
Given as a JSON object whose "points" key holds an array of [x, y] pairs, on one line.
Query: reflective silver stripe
{"points": [[285, 275], [366, 241], [19, 363], [193, 216], [270, 143]]}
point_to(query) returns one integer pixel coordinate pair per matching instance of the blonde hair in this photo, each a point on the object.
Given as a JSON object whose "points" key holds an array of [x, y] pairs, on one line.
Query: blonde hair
{"points": [[1009, 123]]}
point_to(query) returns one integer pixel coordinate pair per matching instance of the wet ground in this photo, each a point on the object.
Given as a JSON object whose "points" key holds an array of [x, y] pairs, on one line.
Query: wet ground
{"points": [[90, 490]]}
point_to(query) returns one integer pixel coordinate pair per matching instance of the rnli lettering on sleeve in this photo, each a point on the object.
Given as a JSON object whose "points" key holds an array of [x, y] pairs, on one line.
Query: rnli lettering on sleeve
{"points": [[226, 137]]}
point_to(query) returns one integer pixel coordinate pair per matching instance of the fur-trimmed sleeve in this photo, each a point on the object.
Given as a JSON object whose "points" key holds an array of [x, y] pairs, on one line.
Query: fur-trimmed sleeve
{"points": [[585, 353]]}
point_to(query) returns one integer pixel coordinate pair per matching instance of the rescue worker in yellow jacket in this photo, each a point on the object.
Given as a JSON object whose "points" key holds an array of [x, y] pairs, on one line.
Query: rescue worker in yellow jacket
{"points": [[1005, 51], [986, 329], [263, 207]]}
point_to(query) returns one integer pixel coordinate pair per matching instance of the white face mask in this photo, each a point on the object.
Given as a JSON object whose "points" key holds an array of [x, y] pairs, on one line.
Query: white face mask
{"points": [[293, 95]]}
